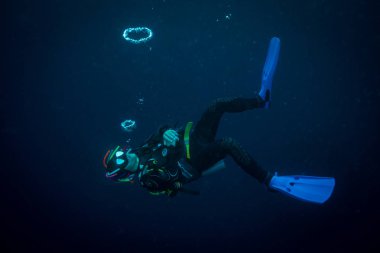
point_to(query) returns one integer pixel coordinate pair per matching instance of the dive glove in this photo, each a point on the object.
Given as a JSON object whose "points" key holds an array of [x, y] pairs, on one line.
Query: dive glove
{"points": [[170, 138]]}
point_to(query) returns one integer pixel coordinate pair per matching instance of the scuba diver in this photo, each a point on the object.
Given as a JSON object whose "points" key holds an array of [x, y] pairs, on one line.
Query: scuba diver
{"points": [[172, 158]]}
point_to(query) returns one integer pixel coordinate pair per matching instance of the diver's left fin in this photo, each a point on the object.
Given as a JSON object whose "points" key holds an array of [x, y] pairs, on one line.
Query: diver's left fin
{"points": [[268, 71]]}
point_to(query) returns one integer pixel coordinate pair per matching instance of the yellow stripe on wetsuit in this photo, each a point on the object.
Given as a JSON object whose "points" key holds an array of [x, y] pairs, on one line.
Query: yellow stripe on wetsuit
{"points": [[186, 138]]}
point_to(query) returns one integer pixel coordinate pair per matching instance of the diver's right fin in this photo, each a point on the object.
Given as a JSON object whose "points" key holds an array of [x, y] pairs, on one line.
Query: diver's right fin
{"points": [[306, 188], [268, 71]]}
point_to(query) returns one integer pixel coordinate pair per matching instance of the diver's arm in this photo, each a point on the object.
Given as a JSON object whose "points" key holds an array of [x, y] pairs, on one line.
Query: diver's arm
{"points": [[157, 137], [153, 141]]}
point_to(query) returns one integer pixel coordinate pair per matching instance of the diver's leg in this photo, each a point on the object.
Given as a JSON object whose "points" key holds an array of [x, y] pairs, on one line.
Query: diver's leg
{"points": [[240, 155], [219, 149], [207, 126]]}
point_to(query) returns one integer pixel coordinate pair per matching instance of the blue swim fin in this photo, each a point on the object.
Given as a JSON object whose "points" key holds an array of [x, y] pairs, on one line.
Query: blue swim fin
{"points": [[269, 69], [306, 188]]}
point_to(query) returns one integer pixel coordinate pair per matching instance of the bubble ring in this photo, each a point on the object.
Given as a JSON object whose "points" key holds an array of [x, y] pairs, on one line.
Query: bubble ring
{"points": [[137, 30], [128, 125]]}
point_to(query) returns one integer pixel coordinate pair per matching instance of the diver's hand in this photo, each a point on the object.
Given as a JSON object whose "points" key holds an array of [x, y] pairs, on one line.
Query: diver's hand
{"points": [[170, 138]]}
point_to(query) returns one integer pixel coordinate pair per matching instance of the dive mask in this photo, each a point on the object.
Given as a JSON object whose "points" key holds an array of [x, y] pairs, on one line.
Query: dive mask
{"points": [[115, 161]]}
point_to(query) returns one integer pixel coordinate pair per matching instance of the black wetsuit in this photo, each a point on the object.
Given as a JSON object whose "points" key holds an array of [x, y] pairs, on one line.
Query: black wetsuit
{"points": [[205, 150]]}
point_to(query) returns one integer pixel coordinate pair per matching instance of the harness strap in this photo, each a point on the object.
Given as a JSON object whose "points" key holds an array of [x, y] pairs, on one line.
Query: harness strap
{"points": [[113, 153], [186, 138], [104, 159]]}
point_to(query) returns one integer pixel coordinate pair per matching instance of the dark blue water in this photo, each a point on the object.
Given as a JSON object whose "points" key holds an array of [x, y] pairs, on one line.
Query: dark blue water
{"points": [[69, 79]]}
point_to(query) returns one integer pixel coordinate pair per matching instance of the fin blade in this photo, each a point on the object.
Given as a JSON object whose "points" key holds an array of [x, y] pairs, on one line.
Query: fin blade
{"points": [[269, 70], [306, 188]]}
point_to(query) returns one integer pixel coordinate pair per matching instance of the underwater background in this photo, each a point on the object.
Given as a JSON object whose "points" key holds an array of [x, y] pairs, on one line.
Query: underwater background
{"points": [[69, 79]]}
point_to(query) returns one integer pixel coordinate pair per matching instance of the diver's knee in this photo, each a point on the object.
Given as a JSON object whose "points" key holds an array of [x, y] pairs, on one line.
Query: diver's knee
{"points": [[217, 104], [228, 142]]}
